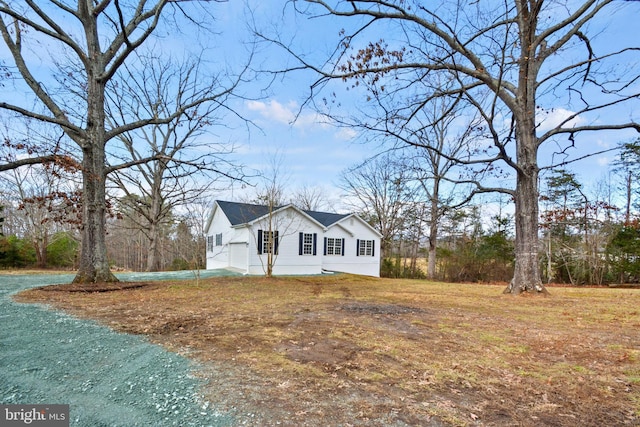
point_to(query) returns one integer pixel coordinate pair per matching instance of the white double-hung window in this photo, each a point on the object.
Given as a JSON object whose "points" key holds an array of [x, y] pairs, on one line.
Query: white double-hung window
{"points": [[366, 247], [267, 242], [333, 246], [307, 243]]}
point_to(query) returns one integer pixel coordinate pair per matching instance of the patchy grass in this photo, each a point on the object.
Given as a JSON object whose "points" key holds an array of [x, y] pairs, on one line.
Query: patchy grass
{"points": [[349, 350]]}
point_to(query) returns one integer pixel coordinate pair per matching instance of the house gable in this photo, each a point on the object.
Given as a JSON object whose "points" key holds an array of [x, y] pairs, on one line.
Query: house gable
{"points": [[219, 234], [349, 221], [292, 232], [360, 253], [284, 210]]}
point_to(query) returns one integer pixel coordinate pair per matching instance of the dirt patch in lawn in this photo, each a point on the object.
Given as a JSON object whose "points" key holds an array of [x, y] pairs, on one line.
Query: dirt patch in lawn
{"points": [[346, 350]]}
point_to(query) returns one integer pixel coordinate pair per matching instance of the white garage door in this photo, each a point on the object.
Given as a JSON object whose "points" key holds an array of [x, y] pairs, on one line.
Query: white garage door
{"points": [[238, 255]]}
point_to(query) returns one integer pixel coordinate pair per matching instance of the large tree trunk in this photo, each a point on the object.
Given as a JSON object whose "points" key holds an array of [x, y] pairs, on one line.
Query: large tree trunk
{"points": [[526, 276], [93, 264], [40, 244], [153, 256], [433, 238], [155, 217]]}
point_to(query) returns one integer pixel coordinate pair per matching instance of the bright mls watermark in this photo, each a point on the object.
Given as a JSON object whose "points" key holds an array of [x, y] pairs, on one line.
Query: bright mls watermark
{"points": [[34, 415]]}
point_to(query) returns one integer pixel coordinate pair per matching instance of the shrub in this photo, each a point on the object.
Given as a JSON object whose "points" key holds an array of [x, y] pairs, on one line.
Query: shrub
{"points": [[62, 251], [16, 252], [398, 268], [179, 264]]}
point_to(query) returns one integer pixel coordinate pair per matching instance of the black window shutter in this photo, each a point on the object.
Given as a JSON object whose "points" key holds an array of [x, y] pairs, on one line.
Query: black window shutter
{"points": [[325, 246], [373, 248], [300, 242], [275, 243], [342, 247], [315, 243], [259, 242], [358, 247]]}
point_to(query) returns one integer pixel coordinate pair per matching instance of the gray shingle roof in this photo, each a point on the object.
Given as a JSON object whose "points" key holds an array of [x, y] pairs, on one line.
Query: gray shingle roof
{"points": [[242, 213], [326, 218]]}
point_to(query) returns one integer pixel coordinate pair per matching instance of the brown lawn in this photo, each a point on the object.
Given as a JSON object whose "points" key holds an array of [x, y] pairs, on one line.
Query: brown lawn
{"points": [[347, 350]]}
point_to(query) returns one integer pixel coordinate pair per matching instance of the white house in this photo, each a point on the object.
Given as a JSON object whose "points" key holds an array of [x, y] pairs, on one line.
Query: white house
{"points": [[240, 237]]}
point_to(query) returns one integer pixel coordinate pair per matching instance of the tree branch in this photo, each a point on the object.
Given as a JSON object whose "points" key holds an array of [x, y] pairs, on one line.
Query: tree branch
{"points": [[51, 158]]}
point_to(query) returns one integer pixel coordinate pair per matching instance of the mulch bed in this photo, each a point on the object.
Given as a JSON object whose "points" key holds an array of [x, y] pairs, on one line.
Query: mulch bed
{"points": [[95, 287]]}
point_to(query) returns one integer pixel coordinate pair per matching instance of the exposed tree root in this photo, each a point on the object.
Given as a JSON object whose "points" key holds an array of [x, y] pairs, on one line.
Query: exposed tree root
{"points": [[536, 289]]}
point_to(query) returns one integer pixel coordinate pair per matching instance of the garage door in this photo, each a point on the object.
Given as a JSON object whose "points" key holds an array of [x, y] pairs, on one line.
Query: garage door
{"points": [[238, 255]]}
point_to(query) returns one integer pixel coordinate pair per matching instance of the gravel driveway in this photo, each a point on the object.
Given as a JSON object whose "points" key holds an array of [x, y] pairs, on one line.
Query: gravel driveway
{"points": [[107, 378]]}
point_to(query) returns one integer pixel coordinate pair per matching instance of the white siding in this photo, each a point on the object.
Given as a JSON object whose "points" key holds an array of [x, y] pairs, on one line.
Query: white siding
{"points": [[289, 224], [353, 229], [219, 256]]}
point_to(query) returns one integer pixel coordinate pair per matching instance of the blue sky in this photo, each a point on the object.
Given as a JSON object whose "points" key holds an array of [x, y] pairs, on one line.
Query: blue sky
{"points": [[313, 151]]}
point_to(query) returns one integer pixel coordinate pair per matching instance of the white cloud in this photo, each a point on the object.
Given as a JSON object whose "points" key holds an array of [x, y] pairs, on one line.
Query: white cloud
{"points": [[554, 117], [288, 114], [346, 134], [311, 119], [273, 110]]}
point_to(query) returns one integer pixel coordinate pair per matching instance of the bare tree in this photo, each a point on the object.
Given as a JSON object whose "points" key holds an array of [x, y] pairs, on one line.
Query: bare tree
{"points": [[96, 41], [196, 214], [312, 199], [46, 203], [127, 245], [512, 62], [44, 194], [379, 190], [270, 193], [441, 138], [187, 158]]}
